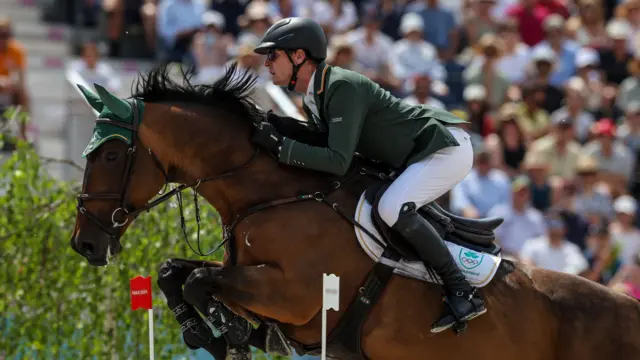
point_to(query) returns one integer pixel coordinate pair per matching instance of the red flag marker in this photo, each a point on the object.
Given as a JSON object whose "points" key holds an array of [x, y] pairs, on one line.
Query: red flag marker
{"points": [[141, 293], [141, 298]]}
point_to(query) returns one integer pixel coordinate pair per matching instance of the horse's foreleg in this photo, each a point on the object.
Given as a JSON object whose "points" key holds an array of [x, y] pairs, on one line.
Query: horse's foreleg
{"points": [[196, 334], [172, 276], [261, 289]]}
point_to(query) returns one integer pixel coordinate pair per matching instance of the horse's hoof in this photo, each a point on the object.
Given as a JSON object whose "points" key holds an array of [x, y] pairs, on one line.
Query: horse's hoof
{"points": [[171, 277], [242, 352], [198, 288]]}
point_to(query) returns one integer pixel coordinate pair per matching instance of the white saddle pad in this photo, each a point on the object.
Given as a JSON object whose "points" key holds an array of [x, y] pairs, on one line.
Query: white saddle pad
{"points": [[479, 268]]}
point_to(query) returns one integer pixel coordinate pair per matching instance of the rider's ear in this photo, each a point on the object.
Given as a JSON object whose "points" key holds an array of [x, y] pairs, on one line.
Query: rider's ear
{"points": [[299, 56]]}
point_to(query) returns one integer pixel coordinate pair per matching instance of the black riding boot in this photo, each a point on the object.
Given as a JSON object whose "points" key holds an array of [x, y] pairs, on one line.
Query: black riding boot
{"points": [[463, 302]]}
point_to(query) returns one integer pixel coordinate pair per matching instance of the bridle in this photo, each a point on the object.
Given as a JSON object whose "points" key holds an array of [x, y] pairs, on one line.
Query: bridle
{"points": [[121, 215]]}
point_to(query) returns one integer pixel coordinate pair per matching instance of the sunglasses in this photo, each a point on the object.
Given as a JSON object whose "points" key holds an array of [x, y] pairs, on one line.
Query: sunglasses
{"points": [[272, 55]]}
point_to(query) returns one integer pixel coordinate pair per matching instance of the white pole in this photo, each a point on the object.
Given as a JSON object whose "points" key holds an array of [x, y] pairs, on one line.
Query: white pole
{"points": [[324, 334], [330, 300], [151, 334]]}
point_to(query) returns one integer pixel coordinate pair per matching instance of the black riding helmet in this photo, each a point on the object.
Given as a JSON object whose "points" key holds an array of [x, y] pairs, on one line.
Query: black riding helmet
{"points": [[295, 33]]}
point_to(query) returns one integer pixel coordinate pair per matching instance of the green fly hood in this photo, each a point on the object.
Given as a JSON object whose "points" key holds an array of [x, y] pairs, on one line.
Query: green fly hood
{"points": [[113, 108]]}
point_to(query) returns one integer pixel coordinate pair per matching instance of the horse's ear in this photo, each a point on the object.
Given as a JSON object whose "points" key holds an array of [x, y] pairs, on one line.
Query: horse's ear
{"points": [[92, 98], [119, 107]]}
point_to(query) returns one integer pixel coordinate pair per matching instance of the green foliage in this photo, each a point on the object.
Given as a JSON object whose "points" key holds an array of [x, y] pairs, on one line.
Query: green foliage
{"points": [[53, 304]]}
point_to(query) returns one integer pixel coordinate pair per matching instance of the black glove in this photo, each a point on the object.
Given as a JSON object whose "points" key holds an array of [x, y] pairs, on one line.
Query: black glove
{"points": [[267, 136]]}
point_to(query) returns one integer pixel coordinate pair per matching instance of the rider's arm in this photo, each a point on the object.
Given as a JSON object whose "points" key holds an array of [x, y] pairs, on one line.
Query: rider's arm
{"points": [[345, 115]]}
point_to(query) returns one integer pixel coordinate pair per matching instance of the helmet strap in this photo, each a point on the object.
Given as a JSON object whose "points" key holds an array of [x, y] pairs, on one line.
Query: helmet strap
{"points": [[294, 75]]}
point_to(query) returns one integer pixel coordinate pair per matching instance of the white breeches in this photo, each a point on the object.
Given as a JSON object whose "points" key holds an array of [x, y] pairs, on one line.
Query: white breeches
{"points": [[428, 179]]}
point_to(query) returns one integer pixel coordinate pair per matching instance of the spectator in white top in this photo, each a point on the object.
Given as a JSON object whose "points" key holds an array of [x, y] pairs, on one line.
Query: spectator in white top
{"points": [[335, 16], [94, 70], [587, 63], [516, 55], [211, 47], [371, 48], [623, 231], [412, 54], [553, 251], [178, 21], [420, 86]]}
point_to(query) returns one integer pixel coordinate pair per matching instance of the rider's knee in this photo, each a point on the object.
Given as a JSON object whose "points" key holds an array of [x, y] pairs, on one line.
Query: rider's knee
{"points": [[389, 209]]}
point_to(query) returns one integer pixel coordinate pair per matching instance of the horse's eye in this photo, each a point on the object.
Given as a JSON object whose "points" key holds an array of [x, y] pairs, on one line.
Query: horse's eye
{"points": [[111, 156]]}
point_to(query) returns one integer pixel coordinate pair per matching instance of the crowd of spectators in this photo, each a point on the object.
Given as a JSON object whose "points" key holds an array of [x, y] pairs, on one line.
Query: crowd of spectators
{"points": [[551, 90]]}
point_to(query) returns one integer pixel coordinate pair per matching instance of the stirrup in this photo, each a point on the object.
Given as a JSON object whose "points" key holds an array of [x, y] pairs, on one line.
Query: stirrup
{"points": [[459, 324]]}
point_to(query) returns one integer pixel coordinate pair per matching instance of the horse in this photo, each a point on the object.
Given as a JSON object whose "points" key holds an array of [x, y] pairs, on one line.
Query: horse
{"points": [[284, 227]]}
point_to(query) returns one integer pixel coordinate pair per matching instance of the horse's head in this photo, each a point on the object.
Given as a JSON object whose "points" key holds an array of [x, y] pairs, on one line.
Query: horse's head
{"points": [[119, 177]]}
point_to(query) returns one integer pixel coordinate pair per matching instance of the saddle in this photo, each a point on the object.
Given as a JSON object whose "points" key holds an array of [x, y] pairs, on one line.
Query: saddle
{"points": [[475, 234]]}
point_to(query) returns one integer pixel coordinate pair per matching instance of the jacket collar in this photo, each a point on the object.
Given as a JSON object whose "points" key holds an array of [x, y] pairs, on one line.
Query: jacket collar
{"points": [[319, 77]]}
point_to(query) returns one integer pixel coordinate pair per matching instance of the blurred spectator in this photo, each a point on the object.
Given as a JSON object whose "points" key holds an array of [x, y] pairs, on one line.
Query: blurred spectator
{"points": [[479, 20], [588, 25], [442, 31], [482, 189], [537, 169], [372, 50], [629, 133], [630, 87], [420, 89], [582, 120], [335, 16], [614, 60], [601, 254], [211, 47], [148, 14], [553, 251], [530, 15], [608, 107], [627, 280], [630, 11], [587, 61], [13, 66], [178, 22], [625, 234], [280, 9], [341, 53], [532, 118], [94, 70], [616, 161], [478, 108], [485, 70], [543, 63], [558, 149], [121, 14], [591, 203], [508, 145], [255, 21], [564, 50], [231, 10], [412, 54], [516, 54], [521, 221], [389, 12]]}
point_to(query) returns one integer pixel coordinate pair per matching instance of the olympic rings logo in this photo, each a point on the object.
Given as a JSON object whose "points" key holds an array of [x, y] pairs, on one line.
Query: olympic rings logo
{"points": [[469, 261]]}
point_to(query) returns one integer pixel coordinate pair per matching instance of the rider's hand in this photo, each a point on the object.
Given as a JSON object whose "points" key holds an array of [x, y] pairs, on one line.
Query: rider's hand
{"points": [[267, 136]]}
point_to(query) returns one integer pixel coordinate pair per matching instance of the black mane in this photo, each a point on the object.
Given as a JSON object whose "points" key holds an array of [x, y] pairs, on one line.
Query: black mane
{"points": [[232, 91]]}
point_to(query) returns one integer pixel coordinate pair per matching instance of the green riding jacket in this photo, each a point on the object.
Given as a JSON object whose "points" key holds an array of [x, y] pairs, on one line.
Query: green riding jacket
{"points": [[360, 116]]}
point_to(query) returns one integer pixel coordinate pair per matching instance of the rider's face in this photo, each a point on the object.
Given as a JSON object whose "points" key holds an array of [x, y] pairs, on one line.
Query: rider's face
{"points": [[280, 66]]}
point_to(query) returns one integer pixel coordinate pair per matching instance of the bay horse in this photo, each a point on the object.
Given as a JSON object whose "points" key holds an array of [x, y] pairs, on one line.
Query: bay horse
{"points": [[281, 237]]}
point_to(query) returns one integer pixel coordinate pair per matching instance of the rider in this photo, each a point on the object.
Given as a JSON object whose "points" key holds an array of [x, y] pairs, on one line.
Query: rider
{"points": [[356, 114]]}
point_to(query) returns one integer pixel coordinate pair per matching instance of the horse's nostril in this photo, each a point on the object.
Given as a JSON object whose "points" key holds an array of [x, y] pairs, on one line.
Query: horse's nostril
{"points": [[87, 249]]}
